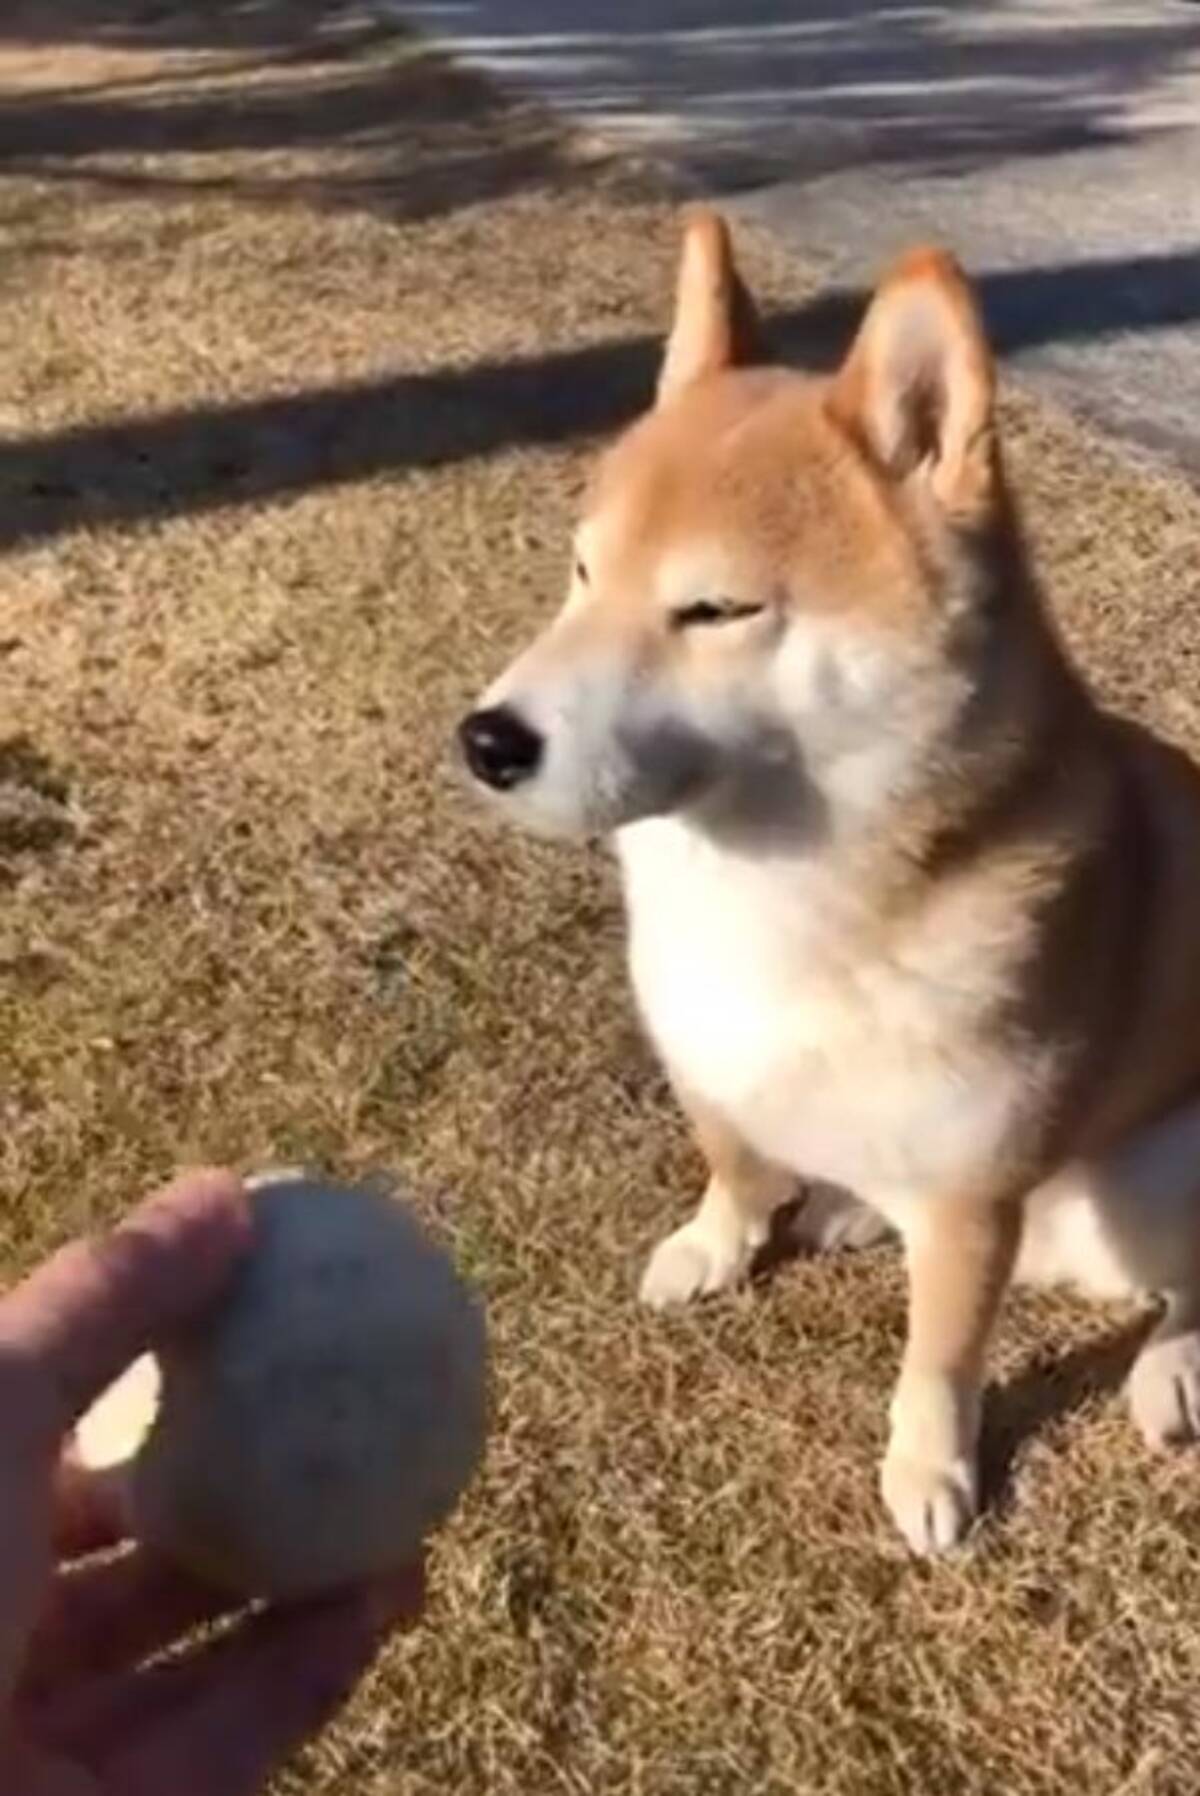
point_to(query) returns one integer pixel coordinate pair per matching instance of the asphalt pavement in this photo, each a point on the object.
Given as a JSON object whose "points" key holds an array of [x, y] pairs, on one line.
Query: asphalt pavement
{"points": [[1055, 145]]}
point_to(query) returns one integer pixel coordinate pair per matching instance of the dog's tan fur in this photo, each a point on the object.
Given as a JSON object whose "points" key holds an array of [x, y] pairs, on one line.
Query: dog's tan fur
{"points": [[939, 943]]}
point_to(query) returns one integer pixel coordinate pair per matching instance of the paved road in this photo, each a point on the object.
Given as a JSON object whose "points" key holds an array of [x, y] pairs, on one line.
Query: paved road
{"points": [[1054, 143]]}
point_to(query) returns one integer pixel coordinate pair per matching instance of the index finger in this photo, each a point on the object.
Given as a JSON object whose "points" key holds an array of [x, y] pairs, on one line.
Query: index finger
{"points": [[80, 1319]]}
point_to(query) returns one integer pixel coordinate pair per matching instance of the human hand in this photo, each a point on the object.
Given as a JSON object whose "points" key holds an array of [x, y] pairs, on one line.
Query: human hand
{"points": [[81, 1714]]}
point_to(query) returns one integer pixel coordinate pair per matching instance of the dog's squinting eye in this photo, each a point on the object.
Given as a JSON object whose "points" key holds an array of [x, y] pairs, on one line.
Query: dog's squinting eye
{"points": [[712, 611], [581, 573]]}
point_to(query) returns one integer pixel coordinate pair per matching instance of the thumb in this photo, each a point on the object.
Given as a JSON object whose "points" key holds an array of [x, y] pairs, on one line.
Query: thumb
{"points": [[80, 1319]]}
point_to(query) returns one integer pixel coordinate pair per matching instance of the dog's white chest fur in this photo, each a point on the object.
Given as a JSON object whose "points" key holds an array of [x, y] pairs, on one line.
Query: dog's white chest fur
{"points": [[860, 1070]]}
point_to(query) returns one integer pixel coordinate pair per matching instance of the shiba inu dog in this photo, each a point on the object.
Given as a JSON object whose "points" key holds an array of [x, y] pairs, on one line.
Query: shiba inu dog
{"points": [[909, 914]]}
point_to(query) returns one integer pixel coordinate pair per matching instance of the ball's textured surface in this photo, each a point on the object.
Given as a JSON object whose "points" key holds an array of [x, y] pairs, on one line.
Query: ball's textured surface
{"points": [[330, 1413]]}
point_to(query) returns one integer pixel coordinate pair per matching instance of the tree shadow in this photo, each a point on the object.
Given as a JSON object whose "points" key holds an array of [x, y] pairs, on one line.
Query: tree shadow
{"points": [[160, 93], [193, 460], [321, 104], [256, 25], [745, 94]]}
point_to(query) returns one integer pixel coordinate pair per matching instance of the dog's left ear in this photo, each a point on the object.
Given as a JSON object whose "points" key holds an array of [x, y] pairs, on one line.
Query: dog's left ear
{"points": [[715, 322], [918, 388]]}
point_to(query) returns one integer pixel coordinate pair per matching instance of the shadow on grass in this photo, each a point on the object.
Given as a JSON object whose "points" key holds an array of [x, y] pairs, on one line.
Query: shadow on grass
{"points": [[194, 460], [324, 104], [327, 103], [739, 92], [1049, 1390]]}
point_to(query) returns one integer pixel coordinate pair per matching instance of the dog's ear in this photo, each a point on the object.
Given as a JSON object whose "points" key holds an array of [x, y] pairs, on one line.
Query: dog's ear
{"points": [[918, 387], [715, 323]]}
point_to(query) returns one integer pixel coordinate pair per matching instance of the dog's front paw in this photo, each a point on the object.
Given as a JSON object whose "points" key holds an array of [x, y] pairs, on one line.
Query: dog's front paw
{"points": [[1164, 1390], [695, 1261], [932, 1503]]}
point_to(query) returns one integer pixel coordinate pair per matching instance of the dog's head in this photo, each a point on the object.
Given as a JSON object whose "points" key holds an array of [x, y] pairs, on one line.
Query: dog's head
{"points": [[772, 579]]}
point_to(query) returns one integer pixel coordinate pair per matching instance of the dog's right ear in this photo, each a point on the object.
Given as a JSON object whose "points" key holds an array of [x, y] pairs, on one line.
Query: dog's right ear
{"points": [[715, 322], [918, 389]]}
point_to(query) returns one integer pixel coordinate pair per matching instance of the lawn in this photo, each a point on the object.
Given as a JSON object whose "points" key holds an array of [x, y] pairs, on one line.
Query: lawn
{"points": [[305, 340]]}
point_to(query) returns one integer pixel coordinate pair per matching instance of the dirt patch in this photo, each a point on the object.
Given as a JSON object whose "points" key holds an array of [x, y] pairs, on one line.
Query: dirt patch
{"points": [[293, 428], [34, 807]]}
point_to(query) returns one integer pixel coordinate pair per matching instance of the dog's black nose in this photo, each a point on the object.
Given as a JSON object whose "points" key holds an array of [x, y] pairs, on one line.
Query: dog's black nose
{"points": [[500, 747]]}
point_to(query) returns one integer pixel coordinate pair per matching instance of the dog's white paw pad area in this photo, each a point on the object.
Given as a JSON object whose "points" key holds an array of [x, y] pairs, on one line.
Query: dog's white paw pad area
{"points": [[932, 1504], [691, 1263], [1164, 1391]]}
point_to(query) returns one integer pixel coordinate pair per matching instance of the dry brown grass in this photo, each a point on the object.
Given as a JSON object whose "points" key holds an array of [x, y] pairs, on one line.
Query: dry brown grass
{"points": [[245, 915]]}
